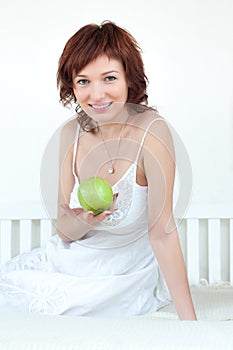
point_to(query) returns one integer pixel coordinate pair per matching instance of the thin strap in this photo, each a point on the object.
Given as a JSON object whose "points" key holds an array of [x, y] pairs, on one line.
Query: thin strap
{"points": [[75, 152], [144, 136]]}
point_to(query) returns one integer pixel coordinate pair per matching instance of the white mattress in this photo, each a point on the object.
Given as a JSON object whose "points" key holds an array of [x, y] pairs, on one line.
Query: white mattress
{"points": [[156, 330]]}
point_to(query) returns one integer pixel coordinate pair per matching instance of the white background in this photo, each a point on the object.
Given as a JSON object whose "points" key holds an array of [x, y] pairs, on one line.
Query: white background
{"points": [[188, 53]]}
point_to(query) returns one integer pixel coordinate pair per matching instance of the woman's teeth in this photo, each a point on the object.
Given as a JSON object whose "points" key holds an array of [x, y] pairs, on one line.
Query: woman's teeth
{"points": [[101, 106]]}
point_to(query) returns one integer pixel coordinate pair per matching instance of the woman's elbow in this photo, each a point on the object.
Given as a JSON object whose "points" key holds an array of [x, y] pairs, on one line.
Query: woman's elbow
{"points": [[60, 232], [162, 230]]}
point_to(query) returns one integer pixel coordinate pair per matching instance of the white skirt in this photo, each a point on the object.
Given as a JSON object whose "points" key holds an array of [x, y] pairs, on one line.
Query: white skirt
{"points": [[71, 279]]}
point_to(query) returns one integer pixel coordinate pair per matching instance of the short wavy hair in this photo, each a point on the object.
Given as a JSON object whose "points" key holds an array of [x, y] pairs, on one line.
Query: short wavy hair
{"points": [[93, 40]]}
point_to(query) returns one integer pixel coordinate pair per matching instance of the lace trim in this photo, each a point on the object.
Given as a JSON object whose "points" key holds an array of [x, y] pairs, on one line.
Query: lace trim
{"points": [[125, 188], [44, 298]]}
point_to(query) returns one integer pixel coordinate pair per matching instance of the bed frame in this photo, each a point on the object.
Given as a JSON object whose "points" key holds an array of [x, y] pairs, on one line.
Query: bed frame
{"points": [[206, 236]]}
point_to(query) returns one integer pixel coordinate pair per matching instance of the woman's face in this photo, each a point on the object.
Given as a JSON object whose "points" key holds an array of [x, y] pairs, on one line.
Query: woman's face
{"points": [[101, 89]]}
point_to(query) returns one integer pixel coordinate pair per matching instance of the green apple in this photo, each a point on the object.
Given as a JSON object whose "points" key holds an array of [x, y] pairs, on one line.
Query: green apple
{"points": [[95, 194]]}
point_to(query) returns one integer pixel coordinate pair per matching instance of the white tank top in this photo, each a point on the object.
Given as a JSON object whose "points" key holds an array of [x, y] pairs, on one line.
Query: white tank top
{"points": [[129, 222]]}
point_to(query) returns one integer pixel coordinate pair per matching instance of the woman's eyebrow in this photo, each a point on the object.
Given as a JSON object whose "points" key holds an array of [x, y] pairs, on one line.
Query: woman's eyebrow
{"points": [[110, 71], [105, 73]]}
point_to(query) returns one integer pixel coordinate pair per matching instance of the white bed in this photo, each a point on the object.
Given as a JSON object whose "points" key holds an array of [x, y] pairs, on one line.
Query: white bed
{"points": [[160, 330], [207, 242]]}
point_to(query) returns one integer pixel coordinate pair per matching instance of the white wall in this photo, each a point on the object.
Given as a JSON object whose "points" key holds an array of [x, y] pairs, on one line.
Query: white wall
{"points": [[188, 53]]}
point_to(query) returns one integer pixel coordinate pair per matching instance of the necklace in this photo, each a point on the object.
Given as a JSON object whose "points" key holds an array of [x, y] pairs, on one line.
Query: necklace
{"points": [[111, 168]]}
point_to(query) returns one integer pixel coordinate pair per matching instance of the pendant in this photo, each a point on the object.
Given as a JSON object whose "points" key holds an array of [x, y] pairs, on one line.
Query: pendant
{"points": [[110, 170]]}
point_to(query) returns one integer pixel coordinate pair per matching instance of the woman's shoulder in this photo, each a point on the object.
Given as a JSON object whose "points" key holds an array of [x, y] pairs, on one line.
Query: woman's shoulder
{"points": [[70, 126], [156, 128], [158, 134], [147, 118], [68, 134]]}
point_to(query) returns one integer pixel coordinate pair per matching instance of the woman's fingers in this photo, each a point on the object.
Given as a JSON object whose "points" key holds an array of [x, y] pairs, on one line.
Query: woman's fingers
{"points": [[113, 206], [89, 216], [115, 197]]}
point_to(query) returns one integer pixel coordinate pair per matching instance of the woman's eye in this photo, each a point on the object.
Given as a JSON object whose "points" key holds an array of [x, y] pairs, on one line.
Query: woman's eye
{"points": [[82, 82], [110, 78]]}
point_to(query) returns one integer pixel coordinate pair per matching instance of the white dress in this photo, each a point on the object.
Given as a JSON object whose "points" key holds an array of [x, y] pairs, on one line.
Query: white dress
{"points": [[110, 272]]}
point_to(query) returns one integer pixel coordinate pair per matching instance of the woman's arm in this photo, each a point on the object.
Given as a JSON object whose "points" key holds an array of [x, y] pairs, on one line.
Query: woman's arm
{"points": [[159, 166], [71, 224], [170, 259]]}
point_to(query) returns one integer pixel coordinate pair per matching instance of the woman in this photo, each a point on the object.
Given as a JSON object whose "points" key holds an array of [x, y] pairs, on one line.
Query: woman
{"points": [[111, 264]]}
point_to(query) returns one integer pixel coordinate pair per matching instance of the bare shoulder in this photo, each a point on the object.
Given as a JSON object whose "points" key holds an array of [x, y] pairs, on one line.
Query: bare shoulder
{"points": [[158, 133], [70, 127], [67, 136], [150, 124], [145, 118], [158, 126]]}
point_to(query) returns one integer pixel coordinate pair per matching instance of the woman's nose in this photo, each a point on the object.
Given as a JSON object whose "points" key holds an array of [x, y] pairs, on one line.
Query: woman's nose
{"points": [[97, 90]]}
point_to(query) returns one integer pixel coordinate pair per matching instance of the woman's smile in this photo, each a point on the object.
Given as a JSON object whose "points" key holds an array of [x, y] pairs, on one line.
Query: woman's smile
{"points": [[101, 107]]}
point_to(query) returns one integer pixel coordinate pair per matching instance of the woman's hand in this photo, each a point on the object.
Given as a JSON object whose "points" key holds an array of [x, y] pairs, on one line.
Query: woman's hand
{"points": [[88, 216]]}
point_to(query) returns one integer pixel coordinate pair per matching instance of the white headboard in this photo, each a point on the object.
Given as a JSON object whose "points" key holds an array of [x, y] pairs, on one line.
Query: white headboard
{"points": [[206, 236]]}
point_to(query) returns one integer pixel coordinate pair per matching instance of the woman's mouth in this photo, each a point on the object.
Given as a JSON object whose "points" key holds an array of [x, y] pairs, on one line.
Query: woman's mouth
{"points": [[100, 107]]}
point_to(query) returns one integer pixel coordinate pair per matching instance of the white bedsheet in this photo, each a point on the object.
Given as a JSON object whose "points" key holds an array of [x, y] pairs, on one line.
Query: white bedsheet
{"points": [[157, 330]]}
